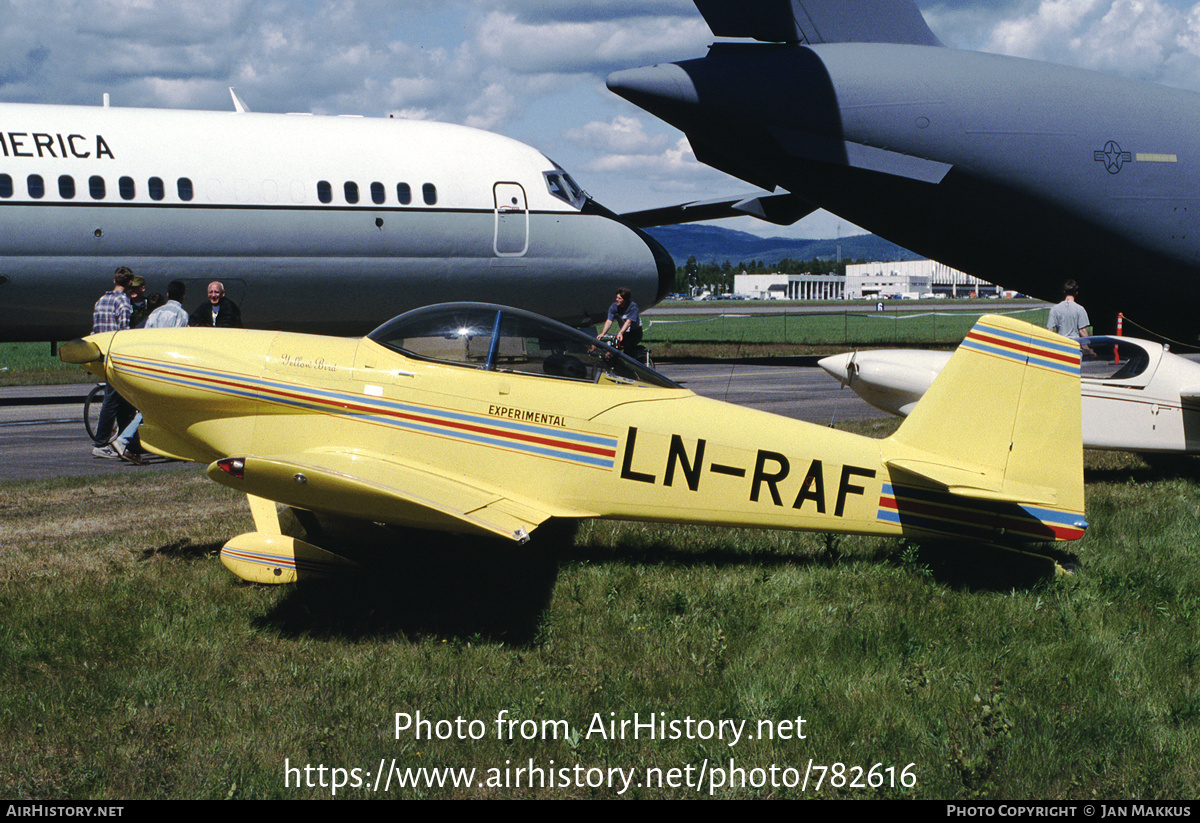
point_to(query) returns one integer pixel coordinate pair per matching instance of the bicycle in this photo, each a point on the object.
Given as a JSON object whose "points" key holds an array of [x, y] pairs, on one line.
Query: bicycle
{"points": [[639, 353], [91, 415]]}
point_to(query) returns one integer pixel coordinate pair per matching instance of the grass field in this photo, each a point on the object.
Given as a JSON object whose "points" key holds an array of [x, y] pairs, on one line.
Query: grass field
{"points": [[31, 364], [853, 327], [132, 665]]}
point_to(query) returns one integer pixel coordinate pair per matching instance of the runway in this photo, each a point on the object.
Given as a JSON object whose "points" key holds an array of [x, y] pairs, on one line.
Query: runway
{"points": [[44, 440]]}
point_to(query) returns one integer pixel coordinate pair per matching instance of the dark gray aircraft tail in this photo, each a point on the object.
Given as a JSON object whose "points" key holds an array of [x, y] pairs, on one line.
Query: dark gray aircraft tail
{"points": [[819, 21]]}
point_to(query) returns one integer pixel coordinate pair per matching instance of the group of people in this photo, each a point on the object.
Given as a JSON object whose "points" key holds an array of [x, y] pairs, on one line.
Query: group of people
{"points": [[127, 306]]}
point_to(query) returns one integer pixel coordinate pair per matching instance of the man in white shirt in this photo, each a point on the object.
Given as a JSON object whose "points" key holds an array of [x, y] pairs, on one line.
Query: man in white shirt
{"points": [[1068, 318], [172, 314]]}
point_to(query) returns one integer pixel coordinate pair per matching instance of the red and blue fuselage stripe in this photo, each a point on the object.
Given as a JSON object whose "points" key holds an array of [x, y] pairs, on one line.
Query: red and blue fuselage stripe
{"points": [[545, 441], [942, 513]]}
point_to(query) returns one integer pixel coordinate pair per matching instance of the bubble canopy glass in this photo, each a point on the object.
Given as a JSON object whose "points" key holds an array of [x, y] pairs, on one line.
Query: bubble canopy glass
{"points": [[497, 338]]}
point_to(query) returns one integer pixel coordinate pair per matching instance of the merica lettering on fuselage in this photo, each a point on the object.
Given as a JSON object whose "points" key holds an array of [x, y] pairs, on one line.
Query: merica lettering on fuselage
{"points": [[17, 144], [770, 469]]}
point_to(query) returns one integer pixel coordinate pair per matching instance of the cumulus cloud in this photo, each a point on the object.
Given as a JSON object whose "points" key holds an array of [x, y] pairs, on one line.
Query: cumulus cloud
{"points": [[596, 46], [535, 11], [674, 161], [621, 135], [1146, 39]]}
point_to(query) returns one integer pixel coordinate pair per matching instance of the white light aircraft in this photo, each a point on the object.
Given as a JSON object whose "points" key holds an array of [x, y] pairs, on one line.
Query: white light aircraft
{"points": [[1136, 395], [317, 224]]}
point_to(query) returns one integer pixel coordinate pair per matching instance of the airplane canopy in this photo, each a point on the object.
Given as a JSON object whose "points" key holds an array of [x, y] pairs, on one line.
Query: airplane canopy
{"points": [[499, 338]]}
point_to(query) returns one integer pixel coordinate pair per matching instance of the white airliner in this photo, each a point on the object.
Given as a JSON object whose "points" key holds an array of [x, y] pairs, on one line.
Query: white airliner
{"points": [[313, 223]]}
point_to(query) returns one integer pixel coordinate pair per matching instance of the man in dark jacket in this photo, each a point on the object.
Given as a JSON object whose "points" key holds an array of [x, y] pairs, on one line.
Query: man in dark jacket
{"points": [[218, 311]]}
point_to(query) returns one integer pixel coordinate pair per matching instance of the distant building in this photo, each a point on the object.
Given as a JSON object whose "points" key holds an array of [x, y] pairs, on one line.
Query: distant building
{"points": [[865, 281], [790, 286]]}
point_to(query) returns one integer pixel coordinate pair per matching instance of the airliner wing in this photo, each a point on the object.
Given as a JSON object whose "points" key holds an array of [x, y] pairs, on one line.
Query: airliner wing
{"points": [[781, 209], [385, 490], [819, 21]]}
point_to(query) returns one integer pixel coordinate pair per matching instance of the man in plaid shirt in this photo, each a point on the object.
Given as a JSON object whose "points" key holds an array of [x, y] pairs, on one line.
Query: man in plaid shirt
{"points": [[114, 309], [112, 313]]}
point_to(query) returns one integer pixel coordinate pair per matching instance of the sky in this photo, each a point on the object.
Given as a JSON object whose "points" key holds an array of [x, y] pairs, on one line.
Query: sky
{"points": [[530, 69]]}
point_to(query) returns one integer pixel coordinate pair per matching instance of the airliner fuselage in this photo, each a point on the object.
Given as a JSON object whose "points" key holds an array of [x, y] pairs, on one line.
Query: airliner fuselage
{"points": [[320, 224]]}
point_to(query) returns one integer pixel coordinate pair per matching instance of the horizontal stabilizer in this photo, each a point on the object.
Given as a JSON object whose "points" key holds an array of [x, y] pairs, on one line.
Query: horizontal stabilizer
{"points": [[384, 490], [781, 209], [819, 21], [975, 483]]}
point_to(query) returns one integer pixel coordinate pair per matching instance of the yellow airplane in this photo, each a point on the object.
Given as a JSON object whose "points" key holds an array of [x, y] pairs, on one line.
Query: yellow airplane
{"points": [[481, 419]]}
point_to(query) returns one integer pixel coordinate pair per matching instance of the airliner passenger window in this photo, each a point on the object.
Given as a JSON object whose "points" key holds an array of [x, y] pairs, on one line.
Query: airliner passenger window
{"points": [[404, 193], [429, 192], [377, 194], [6, 186], [351, 190], [185, 188], [37, 186], [155, 187], [324, 191], [126, 187], [96, 187], [66, 187]]}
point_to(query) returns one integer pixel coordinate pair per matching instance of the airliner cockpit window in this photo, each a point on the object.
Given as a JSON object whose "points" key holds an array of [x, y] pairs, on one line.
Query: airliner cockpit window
{"points": [[564, 188]]}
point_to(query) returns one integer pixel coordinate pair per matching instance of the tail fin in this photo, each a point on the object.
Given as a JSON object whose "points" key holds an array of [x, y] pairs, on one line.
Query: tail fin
{"points": [[1002, 423], [819, 21]]}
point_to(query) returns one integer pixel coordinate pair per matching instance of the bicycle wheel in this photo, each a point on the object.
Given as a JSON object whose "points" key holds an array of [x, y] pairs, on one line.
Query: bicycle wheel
{"points": [[91, 415]]}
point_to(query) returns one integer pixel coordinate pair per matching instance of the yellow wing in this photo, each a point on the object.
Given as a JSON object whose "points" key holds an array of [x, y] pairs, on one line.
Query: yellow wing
{"points": [[386, 490]]}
